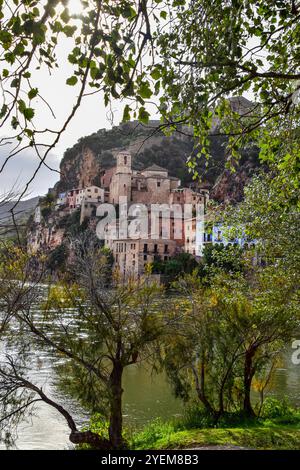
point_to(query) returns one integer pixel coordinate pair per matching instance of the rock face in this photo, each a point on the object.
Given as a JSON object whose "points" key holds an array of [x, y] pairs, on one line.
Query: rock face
{"points": [[229, 186], [81, 165], [81, 171]]}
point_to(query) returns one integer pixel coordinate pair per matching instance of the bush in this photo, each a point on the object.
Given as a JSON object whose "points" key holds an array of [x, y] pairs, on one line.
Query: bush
{"points": [[280, 411], [46, 211]]}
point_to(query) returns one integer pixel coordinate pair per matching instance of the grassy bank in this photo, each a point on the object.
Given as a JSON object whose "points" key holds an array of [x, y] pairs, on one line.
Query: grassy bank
{"points": [[278, 427], [254, 437]]}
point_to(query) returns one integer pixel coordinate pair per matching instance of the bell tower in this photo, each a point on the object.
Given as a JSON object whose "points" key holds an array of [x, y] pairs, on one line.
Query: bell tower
{"points": [[124, 163], [121, 181]]}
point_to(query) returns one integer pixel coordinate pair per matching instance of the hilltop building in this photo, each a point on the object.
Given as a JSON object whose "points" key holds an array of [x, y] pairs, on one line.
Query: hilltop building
{"points": [[170, 232]]}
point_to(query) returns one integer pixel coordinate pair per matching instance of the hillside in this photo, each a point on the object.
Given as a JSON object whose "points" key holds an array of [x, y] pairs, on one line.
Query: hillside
{"points": [[22, 212], [81, 164]]}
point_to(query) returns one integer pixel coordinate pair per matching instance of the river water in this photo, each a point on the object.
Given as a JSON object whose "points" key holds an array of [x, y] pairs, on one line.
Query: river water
{"points": [[146, 397]]}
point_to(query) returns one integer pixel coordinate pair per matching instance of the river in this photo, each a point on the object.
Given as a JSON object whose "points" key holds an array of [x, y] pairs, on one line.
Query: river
{"points": [[146, 397]]}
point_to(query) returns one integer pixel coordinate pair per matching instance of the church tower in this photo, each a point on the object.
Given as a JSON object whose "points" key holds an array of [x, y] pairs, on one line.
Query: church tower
{"points": [[121, 181], [124, 163]]}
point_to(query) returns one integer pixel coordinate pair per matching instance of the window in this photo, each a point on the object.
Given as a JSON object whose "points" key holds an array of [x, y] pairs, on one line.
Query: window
{"points": [[125, 160], [158, 184], [145, 257], [96, 190], [166, 248], [165, 258], [155, 248], [145, 248]]}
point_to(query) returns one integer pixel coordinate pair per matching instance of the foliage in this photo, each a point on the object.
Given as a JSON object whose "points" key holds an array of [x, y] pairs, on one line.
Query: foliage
{"points": [[270, 214], [225, 258], [274, 408], [176, 266], [46, 212], [256, 437], [234, 328], [57, 258], [214, 49], [98, 331], [153, 432]]}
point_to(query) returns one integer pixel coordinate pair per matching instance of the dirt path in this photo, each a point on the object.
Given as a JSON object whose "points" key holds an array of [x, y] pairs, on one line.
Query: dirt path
{"points": [[217, 447]]}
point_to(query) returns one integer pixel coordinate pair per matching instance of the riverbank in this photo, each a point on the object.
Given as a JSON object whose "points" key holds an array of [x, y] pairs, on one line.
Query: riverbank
{"points": [[277, 428], [259, 438]]}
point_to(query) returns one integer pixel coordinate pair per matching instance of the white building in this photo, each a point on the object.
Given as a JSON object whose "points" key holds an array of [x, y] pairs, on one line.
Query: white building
{"points": [[91, 193]]}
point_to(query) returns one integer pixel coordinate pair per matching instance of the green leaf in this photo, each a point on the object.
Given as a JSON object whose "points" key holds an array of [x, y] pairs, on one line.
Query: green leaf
{"points": [[65, 16], [143, 115], [28, 113], [145, 90], [155, 74], [3, 110], [33, 93], [126, 113], [72, 81]]}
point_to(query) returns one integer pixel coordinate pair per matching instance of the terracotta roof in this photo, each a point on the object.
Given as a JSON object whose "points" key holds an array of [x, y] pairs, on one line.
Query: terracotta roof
{"points": [[155, 168]]}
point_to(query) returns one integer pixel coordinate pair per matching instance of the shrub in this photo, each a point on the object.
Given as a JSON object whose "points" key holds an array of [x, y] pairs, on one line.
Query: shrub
{"points": [[274, 408], [280, 411]]}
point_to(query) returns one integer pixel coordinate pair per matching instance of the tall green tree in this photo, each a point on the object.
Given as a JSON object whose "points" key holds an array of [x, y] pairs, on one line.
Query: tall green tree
{"points": [[121, 324], [230, 332]]}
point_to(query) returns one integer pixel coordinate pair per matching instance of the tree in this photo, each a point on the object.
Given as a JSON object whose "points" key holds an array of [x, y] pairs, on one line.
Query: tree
{"points": [[217, 49], [230, 332], [121, 324], [270, 215], [57, 258], [174, 267], [219, 257]]}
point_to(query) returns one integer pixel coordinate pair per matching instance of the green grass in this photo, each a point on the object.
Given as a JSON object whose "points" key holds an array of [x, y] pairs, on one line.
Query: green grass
{"points": [[254, 437], [277, 428]]}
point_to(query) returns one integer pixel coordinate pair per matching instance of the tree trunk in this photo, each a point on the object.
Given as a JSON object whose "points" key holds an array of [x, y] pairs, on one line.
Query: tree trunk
{"points": [[248, 376], [116, 420], [201, 389], [91, 438]]}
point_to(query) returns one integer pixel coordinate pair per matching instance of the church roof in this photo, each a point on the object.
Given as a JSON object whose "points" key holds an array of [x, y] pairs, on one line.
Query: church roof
{"points": [[155, 168]]}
